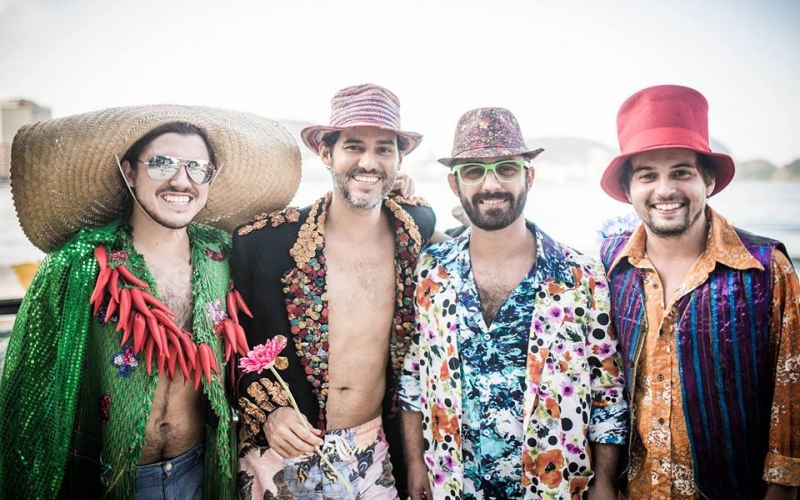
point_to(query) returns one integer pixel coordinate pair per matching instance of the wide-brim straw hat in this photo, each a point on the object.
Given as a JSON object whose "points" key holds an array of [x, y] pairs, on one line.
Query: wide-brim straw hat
{"points": [[488, 133], [65, 176], [664, 117], [365, 105]]}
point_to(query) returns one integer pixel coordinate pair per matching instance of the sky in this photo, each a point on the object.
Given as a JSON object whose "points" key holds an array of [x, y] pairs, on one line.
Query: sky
{"points": [[562, 67]]}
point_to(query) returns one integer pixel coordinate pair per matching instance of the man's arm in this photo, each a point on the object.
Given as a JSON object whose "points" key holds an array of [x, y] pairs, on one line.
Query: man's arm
{"points": [[782, 465], [419, 487], [605, 459]]}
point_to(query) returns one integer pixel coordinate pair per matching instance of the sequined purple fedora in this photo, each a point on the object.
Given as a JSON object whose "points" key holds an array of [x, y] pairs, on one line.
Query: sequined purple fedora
{"points": [[366, 105], [488, 133]]}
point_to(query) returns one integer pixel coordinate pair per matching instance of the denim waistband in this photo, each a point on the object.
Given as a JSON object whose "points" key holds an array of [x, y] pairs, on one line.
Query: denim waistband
{"points": [[153, 474]]}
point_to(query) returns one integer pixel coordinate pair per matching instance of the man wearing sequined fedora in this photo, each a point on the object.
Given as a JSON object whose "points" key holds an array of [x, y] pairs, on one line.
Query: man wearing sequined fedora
{"points": [[512, 383], [708, 317], [114, 384], [334, 278]]}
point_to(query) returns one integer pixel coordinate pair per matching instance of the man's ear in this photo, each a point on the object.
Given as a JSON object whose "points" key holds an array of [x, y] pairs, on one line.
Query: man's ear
{"points": [[451, 179], [325, 154], [129, 174], [530, 176]]}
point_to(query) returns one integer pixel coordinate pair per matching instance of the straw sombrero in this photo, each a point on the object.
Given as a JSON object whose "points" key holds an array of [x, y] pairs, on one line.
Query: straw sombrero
{"points": [[64, 174]]}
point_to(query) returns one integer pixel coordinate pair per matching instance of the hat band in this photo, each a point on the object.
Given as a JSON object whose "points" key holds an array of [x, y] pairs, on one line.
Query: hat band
{"points": [[663, 137], [512, 150]]}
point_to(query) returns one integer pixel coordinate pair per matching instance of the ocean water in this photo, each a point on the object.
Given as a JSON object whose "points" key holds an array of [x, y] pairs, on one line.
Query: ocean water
{"points": [[569, 211]]}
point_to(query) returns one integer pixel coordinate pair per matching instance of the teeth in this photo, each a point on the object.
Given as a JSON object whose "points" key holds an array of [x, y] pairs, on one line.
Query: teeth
{"points": [[492, 202], [176, 198], [667, 206], [369, 179]]}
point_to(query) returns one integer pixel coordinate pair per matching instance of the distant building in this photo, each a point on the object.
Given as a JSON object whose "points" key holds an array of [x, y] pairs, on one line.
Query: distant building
{"points": [[13, 115]]}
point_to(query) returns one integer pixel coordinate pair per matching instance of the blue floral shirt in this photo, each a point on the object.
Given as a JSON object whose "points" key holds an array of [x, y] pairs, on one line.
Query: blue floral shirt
{"points": [[493, 366]]}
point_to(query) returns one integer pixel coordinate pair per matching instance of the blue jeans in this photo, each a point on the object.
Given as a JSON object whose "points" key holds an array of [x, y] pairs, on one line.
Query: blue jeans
{"points": [[180, 478]]}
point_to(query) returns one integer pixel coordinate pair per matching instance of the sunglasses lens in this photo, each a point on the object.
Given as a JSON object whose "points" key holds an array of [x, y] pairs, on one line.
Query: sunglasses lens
{"points": [[200, 171], [161, 167]]}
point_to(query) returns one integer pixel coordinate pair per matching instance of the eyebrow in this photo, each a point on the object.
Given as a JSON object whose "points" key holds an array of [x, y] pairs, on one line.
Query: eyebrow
{"points": [[677, 165], [390, 142]]}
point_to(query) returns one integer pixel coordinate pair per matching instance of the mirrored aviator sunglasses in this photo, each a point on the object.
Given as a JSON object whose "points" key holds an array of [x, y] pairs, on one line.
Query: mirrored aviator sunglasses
{"points": [[163, 167]]}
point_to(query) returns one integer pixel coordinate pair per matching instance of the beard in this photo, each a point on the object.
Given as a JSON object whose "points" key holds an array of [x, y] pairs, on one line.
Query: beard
{"points": [[494, 219], [670, 229], [361, 201], [164, 220]]}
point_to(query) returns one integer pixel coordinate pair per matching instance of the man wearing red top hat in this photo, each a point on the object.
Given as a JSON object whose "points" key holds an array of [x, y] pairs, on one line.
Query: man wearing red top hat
{"points": [[708, 317], [335, 279]]}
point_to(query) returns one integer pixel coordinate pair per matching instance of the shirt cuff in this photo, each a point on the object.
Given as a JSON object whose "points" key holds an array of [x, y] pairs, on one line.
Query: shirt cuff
{"points": [[409, 393], [609, 424], [782, 470]]}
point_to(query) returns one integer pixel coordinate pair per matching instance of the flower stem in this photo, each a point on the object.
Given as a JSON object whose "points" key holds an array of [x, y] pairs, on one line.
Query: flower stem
{"points": [[300, 416]]}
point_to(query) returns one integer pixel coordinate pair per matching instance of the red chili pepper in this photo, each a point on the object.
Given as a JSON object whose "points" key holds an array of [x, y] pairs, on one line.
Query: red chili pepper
{"points": [[101, 254], [212, 359], [241, 340], [155, 333], [230, 336], [171, 364], [97, 294], [128, 276], [124, 308], [205, 363], [111, 309], [230, 301], [113, 284], [148, 354], [165, 320], [197, 374], [139, 326], [157, 304], [139, 303], [241, 303], [189, 348]]}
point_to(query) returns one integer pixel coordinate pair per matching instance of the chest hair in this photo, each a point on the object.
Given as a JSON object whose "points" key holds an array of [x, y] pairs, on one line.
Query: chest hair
{"points": [[175, 287]]}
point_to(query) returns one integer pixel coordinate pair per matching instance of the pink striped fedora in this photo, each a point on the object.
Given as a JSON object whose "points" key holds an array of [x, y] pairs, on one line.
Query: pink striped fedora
{"points": [[364, 105]]}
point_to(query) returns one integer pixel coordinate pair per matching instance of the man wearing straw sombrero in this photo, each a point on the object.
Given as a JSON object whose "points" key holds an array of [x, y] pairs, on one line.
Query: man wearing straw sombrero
{"points": [[114, 383], [337, 283], [708, 317]]}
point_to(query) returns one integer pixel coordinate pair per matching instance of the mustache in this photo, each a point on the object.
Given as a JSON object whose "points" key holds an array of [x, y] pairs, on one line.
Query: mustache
{"points": [[479, 197], [190, 191], [669, 199], [363, 171]]}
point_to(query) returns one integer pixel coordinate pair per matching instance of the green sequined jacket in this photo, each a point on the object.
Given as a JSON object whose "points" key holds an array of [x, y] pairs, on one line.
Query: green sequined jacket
{"points": [[74, 404]]}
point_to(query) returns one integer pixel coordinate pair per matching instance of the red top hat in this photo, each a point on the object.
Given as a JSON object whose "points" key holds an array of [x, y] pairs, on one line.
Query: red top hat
{"points": [[664, 117]]}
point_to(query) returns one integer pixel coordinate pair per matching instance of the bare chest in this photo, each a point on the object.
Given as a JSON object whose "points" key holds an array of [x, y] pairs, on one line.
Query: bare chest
{"points": [[495, 283], [174, 284]]}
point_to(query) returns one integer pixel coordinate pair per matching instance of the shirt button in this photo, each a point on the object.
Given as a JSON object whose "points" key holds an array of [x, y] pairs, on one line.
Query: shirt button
{"points": [[660, 378], [655, 285], [485, 432], [487, 477], [661, 421], [168, 467], [487, 337]]}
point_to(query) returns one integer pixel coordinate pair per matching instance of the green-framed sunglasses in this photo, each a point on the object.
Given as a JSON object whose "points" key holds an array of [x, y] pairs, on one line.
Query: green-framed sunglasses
{"points": [[504, 171]]}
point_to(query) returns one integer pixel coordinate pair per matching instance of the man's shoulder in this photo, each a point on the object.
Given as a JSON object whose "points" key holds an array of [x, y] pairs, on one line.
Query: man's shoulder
{"points": [[421, 214], [277, 221]]}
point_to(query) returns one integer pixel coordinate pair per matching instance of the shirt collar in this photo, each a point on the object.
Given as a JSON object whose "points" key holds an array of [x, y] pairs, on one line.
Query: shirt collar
{"points": [[723, 246]]}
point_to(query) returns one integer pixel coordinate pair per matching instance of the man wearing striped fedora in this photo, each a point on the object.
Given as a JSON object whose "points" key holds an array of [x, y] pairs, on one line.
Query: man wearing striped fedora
{"points": [[114, 383], [708, 317], [337, 283]]}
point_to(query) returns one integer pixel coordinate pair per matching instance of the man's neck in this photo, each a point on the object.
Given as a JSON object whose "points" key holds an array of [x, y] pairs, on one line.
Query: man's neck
{"points": [[151, 238], [502, 244], [353, 222], [688, 246]]}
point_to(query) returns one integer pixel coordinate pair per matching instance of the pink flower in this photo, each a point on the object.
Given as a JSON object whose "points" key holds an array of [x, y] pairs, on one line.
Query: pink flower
{"points": [[263, 356]]}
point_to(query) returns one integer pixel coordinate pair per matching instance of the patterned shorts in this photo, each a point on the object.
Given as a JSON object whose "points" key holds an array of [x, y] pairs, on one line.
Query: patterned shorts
{"points": [[359, 454]]}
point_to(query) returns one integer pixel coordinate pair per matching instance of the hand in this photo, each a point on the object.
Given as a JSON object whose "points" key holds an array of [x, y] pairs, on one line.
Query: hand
{"points": [[403, 186], [460, 215], [780, 492], [419, 487], [288, 436]]}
